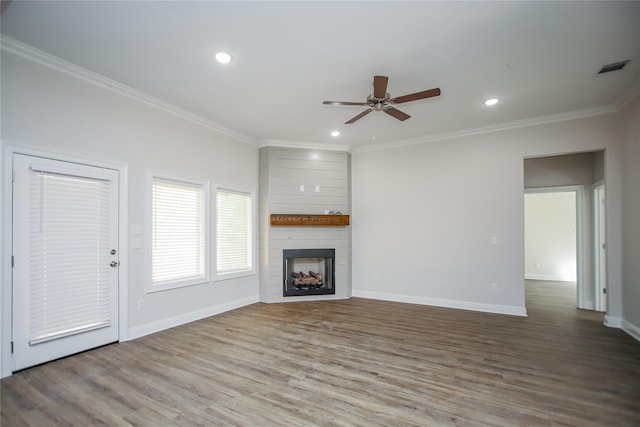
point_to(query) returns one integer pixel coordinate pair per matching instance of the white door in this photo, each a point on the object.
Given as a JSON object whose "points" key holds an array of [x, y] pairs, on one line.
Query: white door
{"points": [[65, 248], [600, 248]]}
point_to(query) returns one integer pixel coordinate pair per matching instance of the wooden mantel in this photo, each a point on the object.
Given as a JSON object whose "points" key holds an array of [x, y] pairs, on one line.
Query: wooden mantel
{"points": [[309, 220]]}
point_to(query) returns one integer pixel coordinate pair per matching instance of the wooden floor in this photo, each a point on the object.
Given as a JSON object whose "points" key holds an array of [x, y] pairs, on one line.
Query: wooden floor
{"points": [[352, 362]]}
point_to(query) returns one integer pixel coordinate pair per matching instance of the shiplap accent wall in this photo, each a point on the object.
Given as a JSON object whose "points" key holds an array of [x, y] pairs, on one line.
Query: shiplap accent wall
{"points": [[282, 173]]}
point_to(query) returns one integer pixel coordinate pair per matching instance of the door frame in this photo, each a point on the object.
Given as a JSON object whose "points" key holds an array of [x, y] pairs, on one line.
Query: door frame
{"points": [[580, 223], [7, 153], [600, 237]]}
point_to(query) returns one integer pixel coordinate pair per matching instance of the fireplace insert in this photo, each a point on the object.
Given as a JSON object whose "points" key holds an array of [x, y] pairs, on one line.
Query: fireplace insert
{"points": [[308, 272]]}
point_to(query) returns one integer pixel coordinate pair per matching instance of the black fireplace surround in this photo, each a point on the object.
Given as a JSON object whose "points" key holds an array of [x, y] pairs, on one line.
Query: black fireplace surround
{"points": [[308, 272]]}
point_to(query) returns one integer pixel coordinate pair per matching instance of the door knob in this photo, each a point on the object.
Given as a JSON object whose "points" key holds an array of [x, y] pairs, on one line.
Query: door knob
{"points": [[114, 263]]}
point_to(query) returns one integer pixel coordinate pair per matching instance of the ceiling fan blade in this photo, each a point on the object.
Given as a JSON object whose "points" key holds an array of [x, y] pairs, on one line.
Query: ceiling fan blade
{"points": [[380, 86], [344, 103], [359, 116], [394, 112], [418, 95]]}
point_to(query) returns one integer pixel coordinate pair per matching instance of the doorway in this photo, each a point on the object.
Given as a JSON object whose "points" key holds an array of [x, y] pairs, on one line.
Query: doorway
{"points": [[65, 284], [579, 172], [553, 244]]}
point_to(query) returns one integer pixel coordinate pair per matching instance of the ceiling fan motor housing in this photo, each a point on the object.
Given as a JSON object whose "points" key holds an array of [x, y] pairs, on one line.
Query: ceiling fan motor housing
{"points": [[379, 103]]}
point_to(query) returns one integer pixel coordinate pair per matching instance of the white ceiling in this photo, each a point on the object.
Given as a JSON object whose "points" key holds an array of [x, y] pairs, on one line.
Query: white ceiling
{"points": [[540, 58]]}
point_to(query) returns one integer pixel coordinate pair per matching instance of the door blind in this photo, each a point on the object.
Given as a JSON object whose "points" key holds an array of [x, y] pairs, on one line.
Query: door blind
{"points": [[69, 250]]}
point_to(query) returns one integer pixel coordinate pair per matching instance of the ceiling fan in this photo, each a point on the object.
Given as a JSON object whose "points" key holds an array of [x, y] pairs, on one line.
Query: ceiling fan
{"points": [[380, 100]]}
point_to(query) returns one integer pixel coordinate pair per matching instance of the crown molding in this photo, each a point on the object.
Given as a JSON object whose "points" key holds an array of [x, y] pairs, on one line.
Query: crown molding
{"points": [[535, 121], [299, 144], [26, 51]]}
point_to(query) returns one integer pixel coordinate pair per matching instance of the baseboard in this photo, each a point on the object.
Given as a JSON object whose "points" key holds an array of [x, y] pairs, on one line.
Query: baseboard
{"points": [[446, 303], [161, 325], [544, 277], [612, 322], [631, 329]]}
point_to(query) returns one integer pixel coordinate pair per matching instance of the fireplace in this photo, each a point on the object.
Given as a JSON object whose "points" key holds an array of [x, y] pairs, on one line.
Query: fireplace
{"points": [[308, 272]]}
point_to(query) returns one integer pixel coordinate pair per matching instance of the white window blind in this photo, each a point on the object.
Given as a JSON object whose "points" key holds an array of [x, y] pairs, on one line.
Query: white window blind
{"points": [[234, 232], [178, 235], [69, 245]]}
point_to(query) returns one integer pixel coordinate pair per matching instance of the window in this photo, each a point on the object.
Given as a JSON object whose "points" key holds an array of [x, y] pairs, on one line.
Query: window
{"points": [[234, 233], [179, 230]]}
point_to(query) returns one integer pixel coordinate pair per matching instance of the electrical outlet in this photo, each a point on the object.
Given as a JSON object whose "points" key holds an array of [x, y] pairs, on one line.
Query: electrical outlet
{"points": [[140, 303], [494, 286]]}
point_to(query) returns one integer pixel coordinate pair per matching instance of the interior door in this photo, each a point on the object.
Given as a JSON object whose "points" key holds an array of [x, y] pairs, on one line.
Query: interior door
{"points": [[65, 249]]}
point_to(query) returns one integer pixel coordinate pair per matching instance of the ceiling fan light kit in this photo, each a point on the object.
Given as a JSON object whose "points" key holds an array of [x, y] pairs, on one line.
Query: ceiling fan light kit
{"points": [[380, 100]]}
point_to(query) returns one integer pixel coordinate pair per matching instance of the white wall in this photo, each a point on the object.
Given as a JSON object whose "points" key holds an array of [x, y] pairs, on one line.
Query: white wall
{"points": [[629, 126], [550, 236], [424, 215], [53, 111]]}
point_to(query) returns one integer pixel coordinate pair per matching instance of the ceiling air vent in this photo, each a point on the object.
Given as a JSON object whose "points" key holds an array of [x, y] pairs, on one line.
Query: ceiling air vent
{"points": [[613, 67]]}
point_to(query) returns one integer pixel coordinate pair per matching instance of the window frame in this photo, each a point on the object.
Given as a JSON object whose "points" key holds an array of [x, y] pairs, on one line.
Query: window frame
{"points": [[218, 276], [204, 185]]}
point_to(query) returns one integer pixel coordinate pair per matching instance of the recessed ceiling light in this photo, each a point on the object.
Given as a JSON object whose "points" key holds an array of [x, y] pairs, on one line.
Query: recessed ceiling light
{"points": [[223, 57], [491, 101], [335, 133]]}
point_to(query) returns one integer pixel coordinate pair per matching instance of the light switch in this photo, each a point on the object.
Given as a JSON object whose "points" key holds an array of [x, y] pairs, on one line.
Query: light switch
{"points": [[301, 188], [136, 229], [494, 240], [317, 188], [136, 243]]}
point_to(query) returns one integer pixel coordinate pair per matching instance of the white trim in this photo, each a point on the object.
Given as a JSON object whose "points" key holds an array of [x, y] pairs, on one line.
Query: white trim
{"points": [[123, 243], [218, 277], [612, 322], [447, 303], [599, 216], [631, 329], [152, 174], [299, 144], [545, 277], [15, 47], [5, 262], [7, 152], [516, 124], [25, 51], [171, 322]]}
